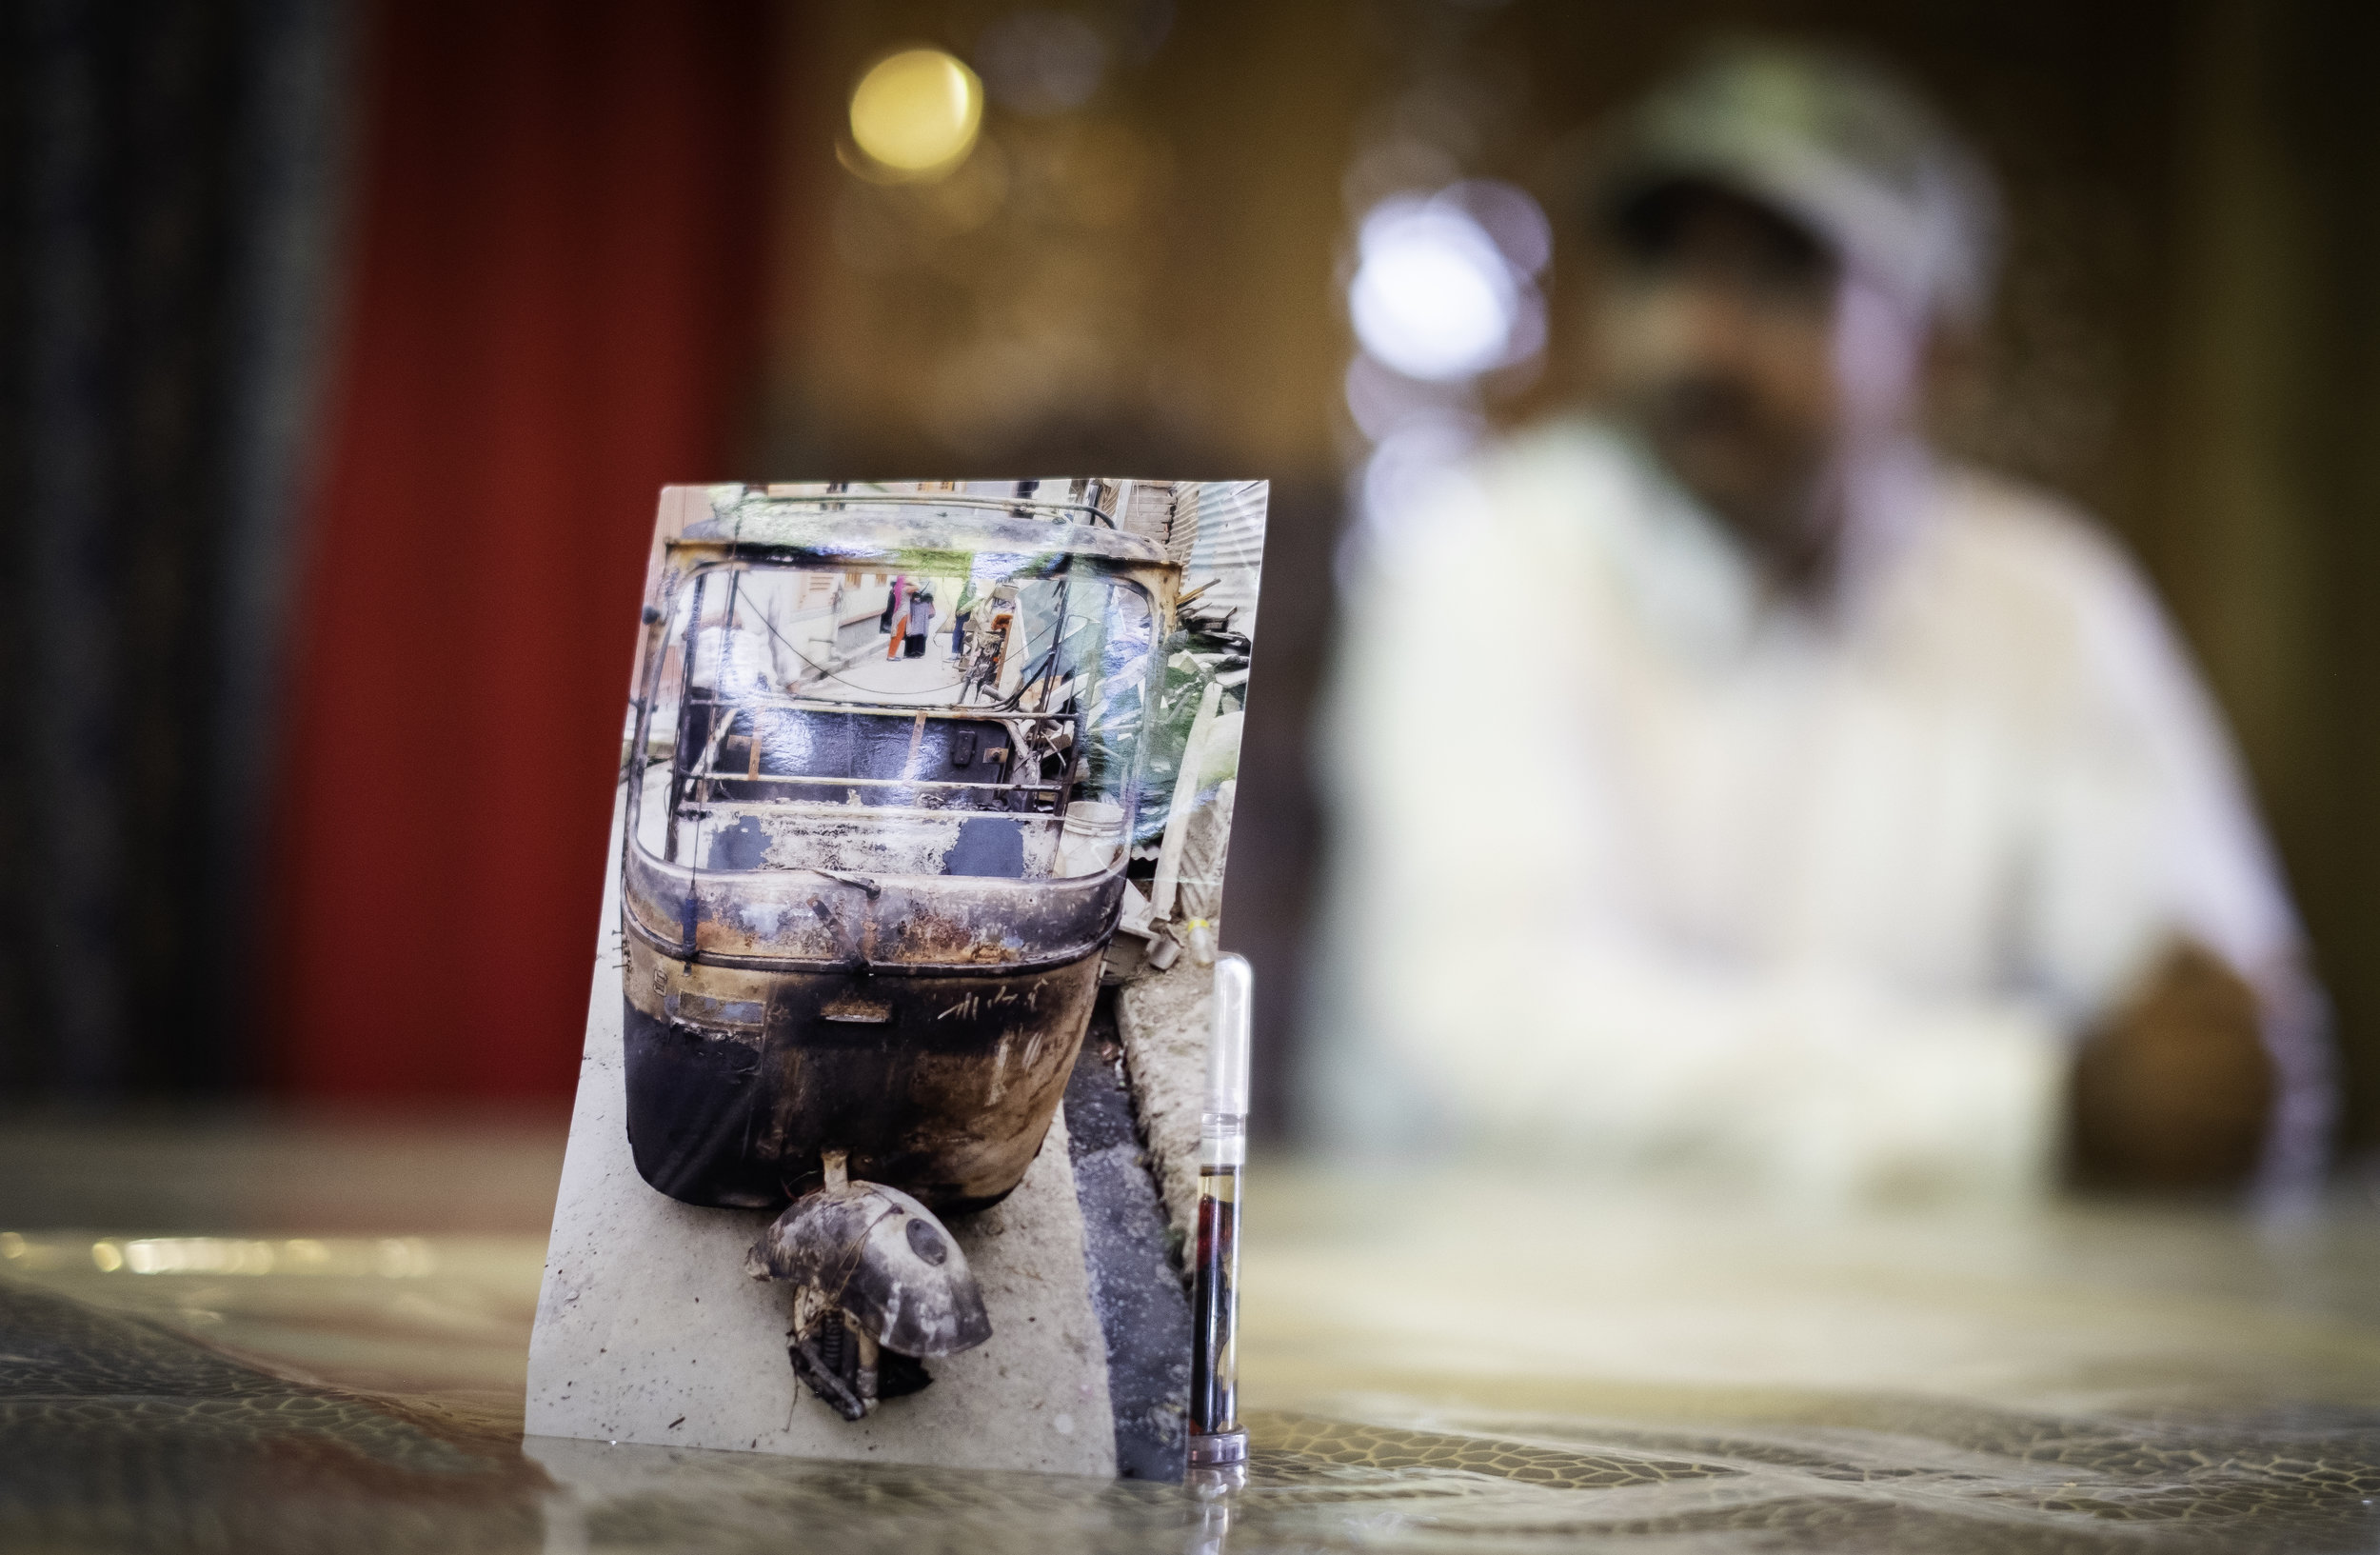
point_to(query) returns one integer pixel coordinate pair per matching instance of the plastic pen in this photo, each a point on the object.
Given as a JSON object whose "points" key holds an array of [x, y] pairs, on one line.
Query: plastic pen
{"points": [[1219, 1447]]}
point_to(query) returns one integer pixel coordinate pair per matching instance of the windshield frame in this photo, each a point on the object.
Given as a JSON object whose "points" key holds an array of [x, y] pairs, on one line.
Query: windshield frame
{"points": [[688, 561]]}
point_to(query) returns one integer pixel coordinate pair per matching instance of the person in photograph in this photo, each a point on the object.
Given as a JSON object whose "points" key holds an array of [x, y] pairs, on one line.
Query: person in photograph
{"points": [[960, 612], [1854, 825], [896, 618], [921, 622]]}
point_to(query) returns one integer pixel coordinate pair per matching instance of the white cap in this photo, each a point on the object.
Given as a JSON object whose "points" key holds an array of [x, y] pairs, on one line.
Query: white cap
{"points": [[1227, 1049], [1837, 145]]}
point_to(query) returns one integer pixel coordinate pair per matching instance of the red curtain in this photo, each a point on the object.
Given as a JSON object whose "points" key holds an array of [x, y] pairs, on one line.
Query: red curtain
{"points": [[554, 308]]}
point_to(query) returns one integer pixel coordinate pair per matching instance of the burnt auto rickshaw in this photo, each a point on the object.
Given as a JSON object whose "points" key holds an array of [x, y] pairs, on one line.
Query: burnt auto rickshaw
{"points": [[865, 897]]}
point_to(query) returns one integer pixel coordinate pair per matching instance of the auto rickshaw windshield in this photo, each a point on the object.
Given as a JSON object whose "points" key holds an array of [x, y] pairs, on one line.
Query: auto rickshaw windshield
{"points": [[805, 717]]}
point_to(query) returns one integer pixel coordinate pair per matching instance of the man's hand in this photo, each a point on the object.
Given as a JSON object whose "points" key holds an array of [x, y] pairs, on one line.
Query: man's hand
{"points": [[2175, 1089]]}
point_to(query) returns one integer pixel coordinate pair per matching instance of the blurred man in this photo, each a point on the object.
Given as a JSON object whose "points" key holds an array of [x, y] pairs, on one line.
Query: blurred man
{"points": [[1727, 781]]}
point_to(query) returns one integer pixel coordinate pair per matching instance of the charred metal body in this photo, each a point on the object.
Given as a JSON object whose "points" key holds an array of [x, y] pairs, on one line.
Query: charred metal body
{"points": [[863, 927], [878, 1285], [942, 1082]]}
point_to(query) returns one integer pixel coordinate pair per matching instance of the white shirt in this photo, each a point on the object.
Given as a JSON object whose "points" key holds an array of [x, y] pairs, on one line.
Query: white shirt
{"points": [[1639, 866]]}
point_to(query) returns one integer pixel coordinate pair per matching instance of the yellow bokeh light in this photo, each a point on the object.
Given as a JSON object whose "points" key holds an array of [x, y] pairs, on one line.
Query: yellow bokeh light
{"points": [[916, 114]]}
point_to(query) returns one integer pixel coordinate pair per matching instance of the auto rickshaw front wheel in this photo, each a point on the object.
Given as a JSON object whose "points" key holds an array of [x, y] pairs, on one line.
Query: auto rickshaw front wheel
{"points": [[880, 1286]]}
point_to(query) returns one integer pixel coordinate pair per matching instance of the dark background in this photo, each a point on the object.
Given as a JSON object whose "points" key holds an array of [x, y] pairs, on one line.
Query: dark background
{"points": [[344, 345]]}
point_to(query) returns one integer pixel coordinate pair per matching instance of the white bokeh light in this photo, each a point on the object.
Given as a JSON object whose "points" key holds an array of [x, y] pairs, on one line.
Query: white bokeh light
{"points": [[1407, 473], [1445, 295], [1433, 296], [1508, 214]]}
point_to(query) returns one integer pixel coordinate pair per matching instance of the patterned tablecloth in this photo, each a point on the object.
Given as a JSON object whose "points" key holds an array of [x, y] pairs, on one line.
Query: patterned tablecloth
{"points": [[1433, 1361]]}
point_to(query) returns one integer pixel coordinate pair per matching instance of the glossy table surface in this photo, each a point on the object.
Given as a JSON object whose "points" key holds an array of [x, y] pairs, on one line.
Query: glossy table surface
{"points": [[265, 1334]]}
